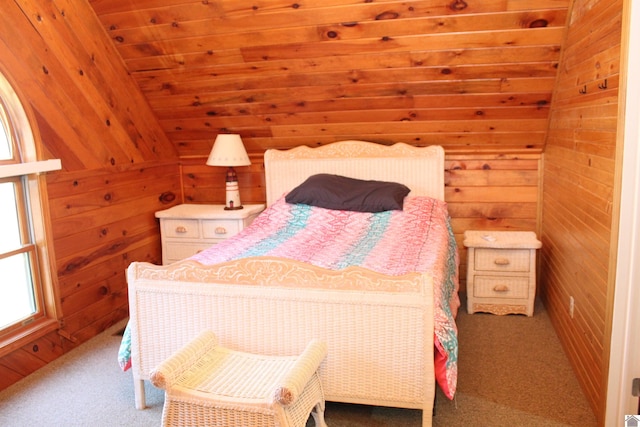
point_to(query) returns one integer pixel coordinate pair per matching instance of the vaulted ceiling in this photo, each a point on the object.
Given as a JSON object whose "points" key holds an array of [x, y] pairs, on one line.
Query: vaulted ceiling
{"points": [[473, 76]]}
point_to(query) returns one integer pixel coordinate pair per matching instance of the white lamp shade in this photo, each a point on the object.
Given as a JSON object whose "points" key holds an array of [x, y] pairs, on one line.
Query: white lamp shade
{"points": [[228, 150]]}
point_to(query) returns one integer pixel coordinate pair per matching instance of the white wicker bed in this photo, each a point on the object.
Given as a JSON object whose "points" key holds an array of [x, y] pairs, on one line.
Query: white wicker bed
{"points": [[379, 329]]}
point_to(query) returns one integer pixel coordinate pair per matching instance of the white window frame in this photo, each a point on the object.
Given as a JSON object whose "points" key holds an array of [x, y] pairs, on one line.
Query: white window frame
{"points": [[31, 170]]}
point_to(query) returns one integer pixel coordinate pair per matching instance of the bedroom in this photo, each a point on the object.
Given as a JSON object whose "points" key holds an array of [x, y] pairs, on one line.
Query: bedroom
{"points": [[133, 142]]}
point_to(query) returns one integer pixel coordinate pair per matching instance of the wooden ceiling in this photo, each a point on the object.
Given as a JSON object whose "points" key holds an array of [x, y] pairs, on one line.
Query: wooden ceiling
{"points": [[471, 75]]}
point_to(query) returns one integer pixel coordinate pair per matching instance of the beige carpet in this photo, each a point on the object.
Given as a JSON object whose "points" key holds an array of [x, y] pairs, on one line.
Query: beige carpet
{"points": [[512, 372]]}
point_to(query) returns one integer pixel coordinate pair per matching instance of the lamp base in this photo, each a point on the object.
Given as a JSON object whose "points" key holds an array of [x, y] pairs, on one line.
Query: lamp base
{"points": [[233, 196]]}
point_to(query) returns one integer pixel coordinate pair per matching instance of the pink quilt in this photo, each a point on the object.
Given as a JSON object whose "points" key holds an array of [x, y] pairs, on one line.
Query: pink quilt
{"points": [[416, 239]]}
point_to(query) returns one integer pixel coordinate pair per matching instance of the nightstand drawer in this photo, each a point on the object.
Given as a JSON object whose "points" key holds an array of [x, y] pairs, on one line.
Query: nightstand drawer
{"points": [[177, 251], [219, 228], [501, 287], [189, 228], [502, 259], [180, 228]]}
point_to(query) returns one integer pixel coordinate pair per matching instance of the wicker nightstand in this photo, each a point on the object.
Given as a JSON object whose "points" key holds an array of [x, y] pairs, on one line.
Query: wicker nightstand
{"points": [[501, 271]]}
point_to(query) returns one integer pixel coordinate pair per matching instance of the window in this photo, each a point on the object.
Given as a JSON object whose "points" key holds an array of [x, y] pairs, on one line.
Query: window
{"points": [[27, 295]]}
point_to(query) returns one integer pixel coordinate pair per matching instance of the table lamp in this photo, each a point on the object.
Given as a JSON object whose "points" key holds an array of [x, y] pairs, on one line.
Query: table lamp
{"points": [[229, 151]]}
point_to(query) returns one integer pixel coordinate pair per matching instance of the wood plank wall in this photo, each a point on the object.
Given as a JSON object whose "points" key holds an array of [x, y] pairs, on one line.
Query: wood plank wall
{"points": [[579, 168], [491, 192], [103, 220], [118, 166], [472, 76]]}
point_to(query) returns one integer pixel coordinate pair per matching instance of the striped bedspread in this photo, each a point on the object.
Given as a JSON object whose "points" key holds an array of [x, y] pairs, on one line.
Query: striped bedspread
{"points": [[416, 239]]}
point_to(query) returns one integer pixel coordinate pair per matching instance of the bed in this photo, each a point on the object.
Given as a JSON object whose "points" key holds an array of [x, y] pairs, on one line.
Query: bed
{"points": [[379, 287]]}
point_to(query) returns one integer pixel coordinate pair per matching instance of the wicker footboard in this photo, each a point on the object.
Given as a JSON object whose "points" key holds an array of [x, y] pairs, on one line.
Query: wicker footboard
{"points": [[378, 329]]}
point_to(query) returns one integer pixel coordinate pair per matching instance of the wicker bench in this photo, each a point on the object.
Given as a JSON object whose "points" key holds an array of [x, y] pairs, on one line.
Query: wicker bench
{"points": [[207, 384]]}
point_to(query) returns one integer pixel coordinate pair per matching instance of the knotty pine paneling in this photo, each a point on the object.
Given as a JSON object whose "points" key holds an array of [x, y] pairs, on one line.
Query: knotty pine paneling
{"points": [[472, 76], [117, 166], [491, 192], [99, 113], [579, 178], [206, 184], [29, 358], [98, 233]]}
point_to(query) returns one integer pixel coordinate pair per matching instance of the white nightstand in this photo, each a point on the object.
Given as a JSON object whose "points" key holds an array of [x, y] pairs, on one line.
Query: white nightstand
{"points": [[187, 229], [501, 271]]}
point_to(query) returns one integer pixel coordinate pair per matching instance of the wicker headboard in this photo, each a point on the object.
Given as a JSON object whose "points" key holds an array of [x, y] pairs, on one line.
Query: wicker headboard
{"points": [[419, 168]]}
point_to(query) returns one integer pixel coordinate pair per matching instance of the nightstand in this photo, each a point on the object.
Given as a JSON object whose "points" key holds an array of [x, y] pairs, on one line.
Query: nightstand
{"points": [[187, 229], [501, 271]]}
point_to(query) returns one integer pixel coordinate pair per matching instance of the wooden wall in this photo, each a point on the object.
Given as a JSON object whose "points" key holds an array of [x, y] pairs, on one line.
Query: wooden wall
{"points": [[491, 192], [473, 76], [118, 166], [579, 170]]}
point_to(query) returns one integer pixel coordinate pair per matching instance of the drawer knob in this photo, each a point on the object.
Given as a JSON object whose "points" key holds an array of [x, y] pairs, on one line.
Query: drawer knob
{"points": [[220, 230], [501, 288], [501, 261], [181, 229]]}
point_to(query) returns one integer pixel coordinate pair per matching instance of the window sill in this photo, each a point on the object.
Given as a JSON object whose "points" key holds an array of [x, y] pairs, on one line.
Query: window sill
{"points": [[26, 168]]}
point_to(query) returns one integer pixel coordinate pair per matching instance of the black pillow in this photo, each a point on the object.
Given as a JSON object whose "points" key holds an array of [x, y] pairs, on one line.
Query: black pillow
{"points": [[349, 194]]}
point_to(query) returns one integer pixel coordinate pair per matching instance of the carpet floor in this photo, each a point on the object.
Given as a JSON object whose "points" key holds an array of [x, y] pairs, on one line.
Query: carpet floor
{"points": [[512, 372]]}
